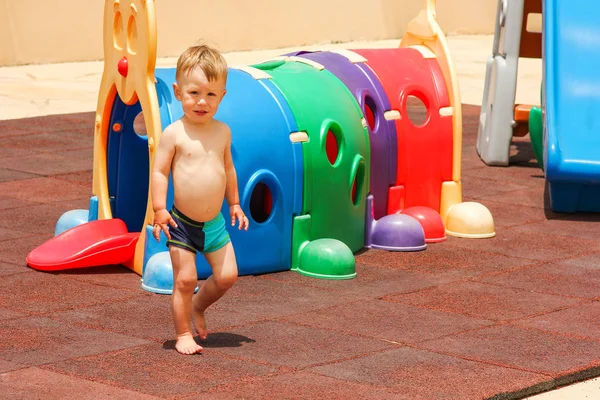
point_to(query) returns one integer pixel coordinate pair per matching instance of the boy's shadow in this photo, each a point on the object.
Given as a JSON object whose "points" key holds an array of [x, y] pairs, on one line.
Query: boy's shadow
{"points": [[215, 340]]}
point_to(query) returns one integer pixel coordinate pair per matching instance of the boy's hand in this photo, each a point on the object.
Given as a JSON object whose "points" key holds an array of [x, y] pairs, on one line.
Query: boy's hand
{"points": [[162, 220], [235, 211]]}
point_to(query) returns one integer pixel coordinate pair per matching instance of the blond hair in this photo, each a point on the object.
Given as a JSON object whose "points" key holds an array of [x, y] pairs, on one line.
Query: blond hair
{"points": [[208, 59]]}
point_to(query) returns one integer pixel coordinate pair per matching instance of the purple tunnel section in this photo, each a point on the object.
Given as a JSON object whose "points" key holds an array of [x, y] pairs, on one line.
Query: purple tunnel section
{"points": [[370, 95]]}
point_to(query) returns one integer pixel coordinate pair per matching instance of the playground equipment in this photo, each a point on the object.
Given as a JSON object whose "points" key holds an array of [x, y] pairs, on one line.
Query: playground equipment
{"points": [[517, 34], [563, 130], [571, 104], [536, 134], [327, 160]]}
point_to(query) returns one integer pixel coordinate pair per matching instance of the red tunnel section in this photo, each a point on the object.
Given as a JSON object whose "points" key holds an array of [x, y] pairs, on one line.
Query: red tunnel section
{"points": [[424, 151]]}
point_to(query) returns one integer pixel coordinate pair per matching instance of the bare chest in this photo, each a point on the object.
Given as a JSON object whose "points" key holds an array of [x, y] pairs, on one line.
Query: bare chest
{"points": [[197, 149]]}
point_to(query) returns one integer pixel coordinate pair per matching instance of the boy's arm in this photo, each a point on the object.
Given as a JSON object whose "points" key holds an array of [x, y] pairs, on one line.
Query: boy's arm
{"points": [[231, 188], [159, 183], [162, 168]]}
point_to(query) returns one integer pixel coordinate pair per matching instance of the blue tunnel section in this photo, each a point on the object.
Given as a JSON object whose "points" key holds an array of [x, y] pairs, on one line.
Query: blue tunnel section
{"points": [[269, 169]]}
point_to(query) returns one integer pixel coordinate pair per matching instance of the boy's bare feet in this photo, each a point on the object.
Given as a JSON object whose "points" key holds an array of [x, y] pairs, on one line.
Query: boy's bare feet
{"points": [[200, 324], [187, 345]]}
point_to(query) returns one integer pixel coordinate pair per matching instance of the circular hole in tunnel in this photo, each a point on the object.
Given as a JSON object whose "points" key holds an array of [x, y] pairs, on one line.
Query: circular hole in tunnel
{"points": [[416, 110], [261, 203]]}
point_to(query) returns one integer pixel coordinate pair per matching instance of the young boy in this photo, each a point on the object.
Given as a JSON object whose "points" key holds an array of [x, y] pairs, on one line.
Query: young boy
{"points": [[196, 150]]}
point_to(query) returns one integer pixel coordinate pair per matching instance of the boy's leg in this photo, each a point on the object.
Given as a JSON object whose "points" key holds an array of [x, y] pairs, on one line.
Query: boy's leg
{"points": [[184, 284], [225, 272]]}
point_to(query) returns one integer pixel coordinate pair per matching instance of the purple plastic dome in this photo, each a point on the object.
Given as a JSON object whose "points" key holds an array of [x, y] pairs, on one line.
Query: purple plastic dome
{"points": [[398, 232]]}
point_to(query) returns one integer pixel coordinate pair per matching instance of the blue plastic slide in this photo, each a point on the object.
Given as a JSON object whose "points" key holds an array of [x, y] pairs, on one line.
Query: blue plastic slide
{"points": [[571, 103]]}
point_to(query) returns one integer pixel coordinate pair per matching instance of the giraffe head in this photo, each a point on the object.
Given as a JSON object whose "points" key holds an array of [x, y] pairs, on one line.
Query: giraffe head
{"points": [[129, 60], [129, 45]]}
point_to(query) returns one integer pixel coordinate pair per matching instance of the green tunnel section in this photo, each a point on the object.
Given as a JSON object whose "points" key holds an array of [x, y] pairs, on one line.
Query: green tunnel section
{"points": [[336, 168]]}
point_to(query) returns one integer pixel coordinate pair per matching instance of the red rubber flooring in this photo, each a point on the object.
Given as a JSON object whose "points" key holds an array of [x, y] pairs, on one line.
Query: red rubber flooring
{"points": [[466, 319]]}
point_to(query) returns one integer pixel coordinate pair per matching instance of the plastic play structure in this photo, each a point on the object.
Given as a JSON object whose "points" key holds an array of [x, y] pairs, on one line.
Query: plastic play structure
{"points": [[571, 104], [327, 160], [563, 131], [517, 34]]}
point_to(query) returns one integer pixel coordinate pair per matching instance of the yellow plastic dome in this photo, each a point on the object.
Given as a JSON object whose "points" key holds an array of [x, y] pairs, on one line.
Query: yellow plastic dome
{"points": [[470, 220]]}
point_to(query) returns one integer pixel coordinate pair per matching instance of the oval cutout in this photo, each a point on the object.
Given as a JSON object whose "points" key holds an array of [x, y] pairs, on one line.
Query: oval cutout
{"points": [[139, 125], [357, 184], [332, 147], [370, 110], [118, 39], [416, 110], [261, 203], [132, 35]]}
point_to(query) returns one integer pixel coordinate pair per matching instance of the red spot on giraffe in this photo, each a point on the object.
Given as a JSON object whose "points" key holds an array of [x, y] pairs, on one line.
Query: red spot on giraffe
{"points": [[123, 67]]}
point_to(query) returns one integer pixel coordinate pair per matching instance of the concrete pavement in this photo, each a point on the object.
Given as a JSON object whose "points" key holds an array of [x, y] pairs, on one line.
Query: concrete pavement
{"points": [[35, 90]]}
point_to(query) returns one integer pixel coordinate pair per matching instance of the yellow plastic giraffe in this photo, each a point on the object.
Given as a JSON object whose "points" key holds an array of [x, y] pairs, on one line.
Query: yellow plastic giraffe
{"points": [[469, 219], [129, 62]]}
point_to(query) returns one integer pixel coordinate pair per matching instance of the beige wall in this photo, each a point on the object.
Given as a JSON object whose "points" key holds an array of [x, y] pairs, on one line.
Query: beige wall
{"points": [[42, 31]]}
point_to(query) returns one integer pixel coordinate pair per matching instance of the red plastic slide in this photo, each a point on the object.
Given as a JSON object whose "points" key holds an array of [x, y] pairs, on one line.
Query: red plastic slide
{"points": [[101, 242]]}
